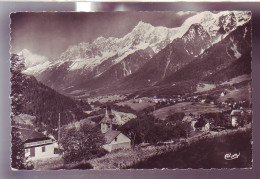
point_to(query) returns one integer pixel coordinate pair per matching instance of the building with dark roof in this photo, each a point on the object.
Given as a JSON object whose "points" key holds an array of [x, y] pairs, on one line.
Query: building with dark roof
{"points": [[36, 144]]}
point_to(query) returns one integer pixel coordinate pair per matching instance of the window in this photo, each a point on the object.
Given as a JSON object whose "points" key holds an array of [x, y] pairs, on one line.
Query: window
{"points": [[43, 149], [115, 139]]}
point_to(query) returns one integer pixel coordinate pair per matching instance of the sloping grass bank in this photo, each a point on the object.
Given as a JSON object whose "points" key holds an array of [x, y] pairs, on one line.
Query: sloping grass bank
{"points": [[206, 150]]}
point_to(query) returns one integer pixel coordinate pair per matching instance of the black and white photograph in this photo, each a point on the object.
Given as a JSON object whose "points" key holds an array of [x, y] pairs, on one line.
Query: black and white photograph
{"points": [[131, 90]]}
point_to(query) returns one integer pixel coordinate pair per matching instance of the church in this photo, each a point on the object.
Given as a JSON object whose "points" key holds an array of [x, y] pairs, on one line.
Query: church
{"points": [[113, 139]]}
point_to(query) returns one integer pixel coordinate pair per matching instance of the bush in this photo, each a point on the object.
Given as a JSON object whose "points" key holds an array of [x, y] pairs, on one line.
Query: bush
{"points": [[84, 143], [18, 153], [201, 122], [147, 129], [176, 117]]}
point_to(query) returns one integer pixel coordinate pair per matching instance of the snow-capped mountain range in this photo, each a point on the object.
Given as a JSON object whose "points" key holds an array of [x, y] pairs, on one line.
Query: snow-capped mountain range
{"points": [[91, 60], [34, 64]]}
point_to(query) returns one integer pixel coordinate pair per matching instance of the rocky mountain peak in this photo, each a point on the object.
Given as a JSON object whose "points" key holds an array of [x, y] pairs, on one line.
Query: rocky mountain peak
{"points": [[168, 49], [32, 59]]}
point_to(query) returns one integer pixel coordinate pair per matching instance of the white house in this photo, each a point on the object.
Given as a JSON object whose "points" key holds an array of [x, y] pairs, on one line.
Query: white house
{"points": [[116, 140], [206, 127], [235, 117], [37, 145]]}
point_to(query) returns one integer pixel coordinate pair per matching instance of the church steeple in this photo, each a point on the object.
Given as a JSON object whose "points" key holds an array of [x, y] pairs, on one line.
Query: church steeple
{"points": [[106, 123], [106, 114]]}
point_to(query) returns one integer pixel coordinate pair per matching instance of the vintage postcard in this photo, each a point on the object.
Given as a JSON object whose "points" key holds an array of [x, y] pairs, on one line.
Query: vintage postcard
{"points": [[131, 90]]}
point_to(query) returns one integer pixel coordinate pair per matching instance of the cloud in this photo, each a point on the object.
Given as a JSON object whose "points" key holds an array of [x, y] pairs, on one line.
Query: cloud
{"points": [[184, 13]]}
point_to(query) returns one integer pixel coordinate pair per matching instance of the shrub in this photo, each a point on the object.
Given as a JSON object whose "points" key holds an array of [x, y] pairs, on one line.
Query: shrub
{"points": [[84, 143], [176, 117]]}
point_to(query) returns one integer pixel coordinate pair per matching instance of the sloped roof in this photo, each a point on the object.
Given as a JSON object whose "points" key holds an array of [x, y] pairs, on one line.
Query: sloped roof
{"points": [[235, 113], [111, 135], [28, 135]]}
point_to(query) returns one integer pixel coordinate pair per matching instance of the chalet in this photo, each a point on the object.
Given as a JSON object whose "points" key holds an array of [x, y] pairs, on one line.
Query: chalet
{"points": [[203, 100], [113, 139], [236, 116], [36, 144], [206, 127], [138, 100], [156, 100], [191, 119]]}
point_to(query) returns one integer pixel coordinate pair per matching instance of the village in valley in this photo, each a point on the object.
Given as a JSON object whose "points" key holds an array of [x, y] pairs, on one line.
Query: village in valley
{"points": [[200, 115], [168, 96]]}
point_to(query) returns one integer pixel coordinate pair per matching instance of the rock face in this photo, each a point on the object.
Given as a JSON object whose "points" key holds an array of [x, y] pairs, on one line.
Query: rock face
{"points": [[149, 56]]}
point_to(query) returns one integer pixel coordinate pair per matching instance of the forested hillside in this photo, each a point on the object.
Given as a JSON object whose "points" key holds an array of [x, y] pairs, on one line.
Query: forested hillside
{"points": [[34, 98]]}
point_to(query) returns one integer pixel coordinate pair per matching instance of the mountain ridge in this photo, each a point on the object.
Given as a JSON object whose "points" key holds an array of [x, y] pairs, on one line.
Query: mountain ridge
{"points": [[84, 63]]}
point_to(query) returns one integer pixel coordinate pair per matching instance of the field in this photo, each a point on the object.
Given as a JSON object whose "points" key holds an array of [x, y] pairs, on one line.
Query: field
{"points": [[186, 107], [206, 153], [48, 164], [237, 80], [240, 94], [205, 87], [205, 150], [197, 151], [135, 105], [107, 98]]}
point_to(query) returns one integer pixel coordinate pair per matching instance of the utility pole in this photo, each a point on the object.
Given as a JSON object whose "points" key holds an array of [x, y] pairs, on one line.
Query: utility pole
{"points": [[154, 114], [59, 134]]}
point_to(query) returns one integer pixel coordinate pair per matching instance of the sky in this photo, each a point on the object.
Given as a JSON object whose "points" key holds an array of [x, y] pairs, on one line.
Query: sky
{"points": [[49, 33]]}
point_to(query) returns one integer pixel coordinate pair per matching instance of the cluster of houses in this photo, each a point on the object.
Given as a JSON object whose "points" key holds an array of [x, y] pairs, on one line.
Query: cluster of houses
{"points": [[237, 116], [197, 98], [177, 99]]}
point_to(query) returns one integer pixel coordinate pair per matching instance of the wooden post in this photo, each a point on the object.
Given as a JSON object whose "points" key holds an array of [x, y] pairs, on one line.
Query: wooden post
{"points": [[59, 134], [153, 114]]}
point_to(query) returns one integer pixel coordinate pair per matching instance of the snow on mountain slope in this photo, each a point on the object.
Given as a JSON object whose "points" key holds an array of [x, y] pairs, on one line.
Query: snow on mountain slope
{"points": [[86, 55], [34, 64], [217, 25], [92, 62], [31, 59], [89, 55], [37, 69], [212, 22]]}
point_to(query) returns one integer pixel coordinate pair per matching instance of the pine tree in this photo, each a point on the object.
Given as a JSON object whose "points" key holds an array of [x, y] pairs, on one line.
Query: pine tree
{"points": [[18, 154]]}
